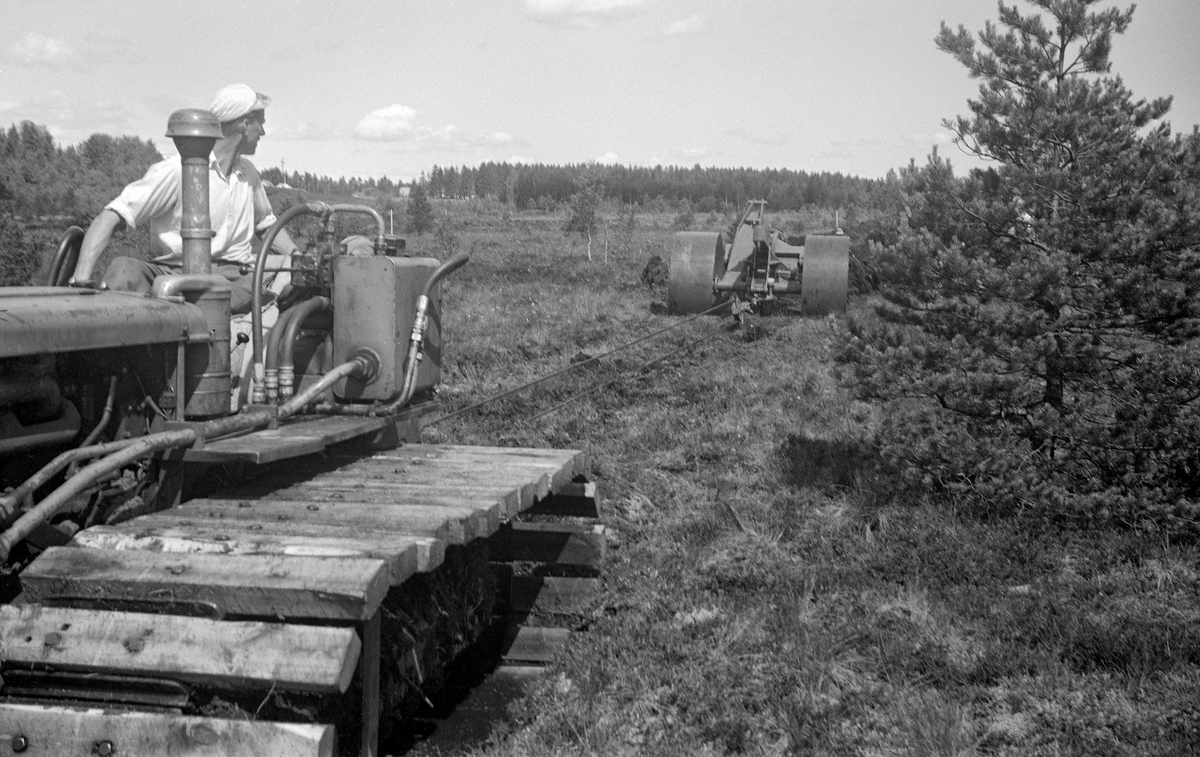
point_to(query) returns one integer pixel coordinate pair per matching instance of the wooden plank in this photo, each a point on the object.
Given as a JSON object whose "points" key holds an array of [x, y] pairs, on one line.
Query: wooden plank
{"points": [[571, 462], [529, 484], [454, 526], [282, 586], [488, 510], [368, 671], [534, 480], [525, 644], [535, 472], [552, 594], [403, 555], [70, 732], [553, 543], [287, 441], [264, 529], [518, 492], [238, 653], [558, 467], [506, 499]]}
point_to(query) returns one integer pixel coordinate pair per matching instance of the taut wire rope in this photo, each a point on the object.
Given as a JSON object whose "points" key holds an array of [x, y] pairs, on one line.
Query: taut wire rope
{"points": [[580, 364]]}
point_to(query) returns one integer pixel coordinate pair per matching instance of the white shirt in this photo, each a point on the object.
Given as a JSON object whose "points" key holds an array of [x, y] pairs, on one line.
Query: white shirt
{"points": [[237, 204]]}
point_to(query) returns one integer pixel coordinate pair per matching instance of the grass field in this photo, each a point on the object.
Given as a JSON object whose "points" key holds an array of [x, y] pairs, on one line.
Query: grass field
{"points": [[768, 592]]}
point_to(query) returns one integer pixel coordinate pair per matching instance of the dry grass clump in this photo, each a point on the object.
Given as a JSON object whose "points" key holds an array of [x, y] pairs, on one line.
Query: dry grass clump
{"points": [[769, 590]]}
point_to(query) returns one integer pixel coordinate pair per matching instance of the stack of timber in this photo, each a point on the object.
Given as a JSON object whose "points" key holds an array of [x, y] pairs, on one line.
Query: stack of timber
{"points": [[548, 564], [287, 617]]}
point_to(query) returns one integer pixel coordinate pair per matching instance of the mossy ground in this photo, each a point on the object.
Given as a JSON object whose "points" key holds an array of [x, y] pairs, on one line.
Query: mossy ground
{"points": [[768, 592]]}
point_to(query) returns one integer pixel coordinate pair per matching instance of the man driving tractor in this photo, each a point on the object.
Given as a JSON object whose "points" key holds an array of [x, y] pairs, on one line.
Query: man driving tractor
{"points": [[238, 205]]}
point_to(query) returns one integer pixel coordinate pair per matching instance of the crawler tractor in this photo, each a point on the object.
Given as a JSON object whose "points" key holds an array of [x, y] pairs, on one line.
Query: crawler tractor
{"points": [[136, 622], [757, 268], [133, 375]]}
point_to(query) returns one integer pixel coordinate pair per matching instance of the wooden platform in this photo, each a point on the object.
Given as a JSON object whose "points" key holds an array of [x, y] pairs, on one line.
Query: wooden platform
{"points": [[276, 584]]}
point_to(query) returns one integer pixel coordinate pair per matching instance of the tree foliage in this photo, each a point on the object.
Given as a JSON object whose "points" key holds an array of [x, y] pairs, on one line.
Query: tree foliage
{"points": [[18, 261], [585, 204], [420, 210], [1038, 342], [40, 178]]}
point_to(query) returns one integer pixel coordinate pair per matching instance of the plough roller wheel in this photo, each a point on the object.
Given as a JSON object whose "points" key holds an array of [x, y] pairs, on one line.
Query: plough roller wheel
{"points": [[825, 278], [697, 258]]}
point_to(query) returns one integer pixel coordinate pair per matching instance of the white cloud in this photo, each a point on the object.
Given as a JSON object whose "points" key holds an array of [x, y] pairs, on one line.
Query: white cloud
{"points": [[693, 153], [39, 50], [608, 158], [580, 12], [689, 25], [395, 123], [398, 124]]}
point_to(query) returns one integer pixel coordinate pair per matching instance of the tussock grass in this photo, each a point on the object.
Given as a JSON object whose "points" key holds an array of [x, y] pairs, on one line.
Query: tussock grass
{"points": [[770, 591]]}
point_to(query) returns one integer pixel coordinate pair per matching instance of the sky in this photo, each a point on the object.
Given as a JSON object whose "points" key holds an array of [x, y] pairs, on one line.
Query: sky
{"points": [[374, 88]]}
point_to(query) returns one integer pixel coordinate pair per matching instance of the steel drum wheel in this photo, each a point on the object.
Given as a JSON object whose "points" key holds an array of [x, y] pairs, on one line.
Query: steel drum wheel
{"points": [[694, 266], [825, 279]]}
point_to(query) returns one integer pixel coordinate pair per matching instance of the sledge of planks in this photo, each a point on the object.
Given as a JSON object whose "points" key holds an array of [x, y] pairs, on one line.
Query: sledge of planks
{"points": [[277, 585]]}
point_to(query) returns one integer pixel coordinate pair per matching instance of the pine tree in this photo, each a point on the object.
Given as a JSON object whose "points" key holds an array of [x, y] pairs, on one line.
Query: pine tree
{"points": [[420, 210], [1037, 347]]}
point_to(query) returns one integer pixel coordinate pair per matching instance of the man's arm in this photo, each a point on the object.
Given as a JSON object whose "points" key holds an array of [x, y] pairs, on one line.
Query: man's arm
{"points": [[95, 241]]}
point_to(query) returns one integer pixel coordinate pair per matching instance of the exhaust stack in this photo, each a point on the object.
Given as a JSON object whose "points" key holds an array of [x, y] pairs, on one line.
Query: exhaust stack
{"points": [[206, 390], [194, 132]]}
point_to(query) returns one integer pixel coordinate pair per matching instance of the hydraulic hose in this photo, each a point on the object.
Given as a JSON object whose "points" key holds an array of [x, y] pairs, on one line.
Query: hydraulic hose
{"points": [[311, 208], [107, 415], [133, 449], [9, 502], [274, 336], [286, 363], [57, 499], [356, 366], [104, 419], [420, 323]]}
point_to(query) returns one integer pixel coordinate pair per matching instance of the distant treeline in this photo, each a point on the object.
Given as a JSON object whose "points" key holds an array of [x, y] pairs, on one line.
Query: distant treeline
{"points": [[381, 187], [705, 189], [39, 178]]}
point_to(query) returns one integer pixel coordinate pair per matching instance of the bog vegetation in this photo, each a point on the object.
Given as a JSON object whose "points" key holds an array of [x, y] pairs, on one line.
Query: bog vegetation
{"points": [[961, 519]]}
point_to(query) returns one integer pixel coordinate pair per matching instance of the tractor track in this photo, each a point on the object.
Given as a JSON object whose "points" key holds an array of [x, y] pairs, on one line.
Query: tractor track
{"points": [[311, 609]]}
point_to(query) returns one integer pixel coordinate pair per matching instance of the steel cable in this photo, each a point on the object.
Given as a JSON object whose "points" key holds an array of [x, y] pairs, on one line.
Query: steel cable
{"points": [[580, 364], [618, 379]]}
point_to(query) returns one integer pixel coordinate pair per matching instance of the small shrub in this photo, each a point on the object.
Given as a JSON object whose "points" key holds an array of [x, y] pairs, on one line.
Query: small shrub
{"points": [[656, 274]]}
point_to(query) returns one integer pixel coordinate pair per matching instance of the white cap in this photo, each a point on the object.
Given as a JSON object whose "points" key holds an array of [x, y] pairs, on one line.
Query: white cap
{"points": [[235, 101]]}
